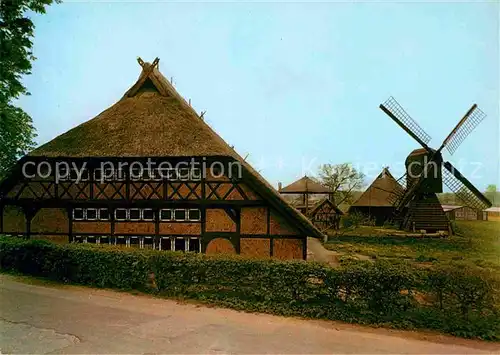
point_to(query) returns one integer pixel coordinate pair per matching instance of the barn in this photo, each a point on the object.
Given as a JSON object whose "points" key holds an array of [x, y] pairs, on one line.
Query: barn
{"points": [[375, 203], [464, 213], [314, 201], [148, 172]]}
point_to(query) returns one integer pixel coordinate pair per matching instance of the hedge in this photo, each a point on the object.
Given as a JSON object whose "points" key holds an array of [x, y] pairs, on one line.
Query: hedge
{"points": [[454, 299]]}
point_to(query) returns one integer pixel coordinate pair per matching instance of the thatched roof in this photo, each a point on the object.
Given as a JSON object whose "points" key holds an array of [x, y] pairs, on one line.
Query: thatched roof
{"points": [[378, 193], [305, 185], [322, 202], [153, 120]]}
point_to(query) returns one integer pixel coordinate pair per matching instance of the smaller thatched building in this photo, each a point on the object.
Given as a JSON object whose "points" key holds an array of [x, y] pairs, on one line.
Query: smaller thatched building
{"points": [[375, 202], [321, 211]]}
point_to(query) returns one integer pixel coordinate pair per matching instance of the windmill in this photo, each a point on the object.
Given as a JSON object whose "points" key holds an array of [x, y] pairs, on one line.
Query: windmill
{"points": [[416, 205]]}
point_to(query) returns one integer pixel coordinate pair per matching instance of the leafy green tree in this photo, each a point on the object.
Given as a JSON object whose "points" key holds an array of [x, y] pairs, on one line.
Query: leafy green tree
{"points": [[16, 54], [342, 180], [492, 194]]}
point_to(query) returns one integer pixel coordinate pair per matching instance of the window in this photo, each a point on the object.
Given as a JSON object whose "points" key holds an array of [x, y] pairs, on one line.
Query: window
{"points": [[103, 214], [180, 244], [179, 215], [148, 243], [134, 242], [194, 245], [134, 214], [121, 214], [78, 214], [120, 240], [78, 239], [104, 240], [165, 215], [91, 239], [148, 214], [165, 243], [194, 215], [91, 214]]}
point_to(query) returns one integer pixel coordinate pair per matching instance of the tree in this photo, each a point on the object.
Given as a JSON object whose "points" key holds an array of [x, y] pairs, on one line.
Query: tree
{"points": [[16, 47], [342, 180], [492, 194]]}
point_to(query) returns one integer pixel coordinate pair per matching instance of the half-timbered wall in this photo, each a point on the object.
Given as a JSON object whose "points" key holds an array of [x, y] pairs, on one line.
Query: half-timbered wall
{"points": [[228, 215]]}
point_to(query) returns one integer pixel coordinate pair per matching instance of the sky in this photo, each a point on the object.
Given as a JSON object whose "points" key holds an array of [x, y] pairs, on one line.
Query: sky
{"points": [[291, 85]]}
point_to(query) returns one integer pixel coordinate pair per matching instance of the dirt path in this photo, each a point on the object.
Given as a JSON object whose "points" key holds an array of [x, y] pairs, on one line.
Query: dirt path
{"points": [[69, 319]]}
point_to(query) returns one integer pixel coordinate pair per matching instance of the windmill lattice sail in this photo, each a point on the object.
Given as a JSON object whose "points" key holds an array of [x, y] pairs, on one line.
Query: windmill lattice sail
{"points": [[466, 125], [402, 118], [464, 190]]}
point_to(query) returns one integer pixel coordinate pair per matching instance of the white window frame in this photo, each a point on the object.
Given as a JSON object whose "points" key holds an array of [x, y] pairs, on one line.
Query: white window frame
{"points": [[96, 214], [194, 238], [193, 209], [99, 214], [126, 214], [84, 214], [148, 238], [120, 237], [171, 214], [186, 243], [185, 215], [159, 244], [129, 238], [134, 219], [147, 219]]}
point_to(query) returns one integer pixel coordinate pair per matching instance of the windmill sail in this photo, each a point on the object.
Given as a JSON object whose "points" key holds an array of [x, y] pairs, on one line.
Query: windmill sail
{"points": [[464, 190], [392, 108], [466, 125]]}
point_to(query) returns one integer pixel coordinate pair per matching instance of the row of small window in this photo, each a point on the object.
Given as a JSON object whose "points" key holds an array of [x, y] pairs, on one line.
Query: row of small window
{"points": [[109, 174], [136, 214], [192, 244]]}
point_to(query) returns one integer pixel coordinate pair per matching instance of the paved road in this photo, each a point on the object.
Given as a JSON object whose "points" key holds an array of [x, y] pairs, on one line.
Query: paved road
{"points": [[68, 319]]}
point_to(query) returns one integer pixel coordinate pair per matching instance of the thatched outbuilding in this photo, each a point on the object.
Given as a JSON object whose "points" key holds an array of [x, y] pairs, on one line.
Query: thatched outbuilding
{"points": [[322, 212], [208, 199], [375, 203]]}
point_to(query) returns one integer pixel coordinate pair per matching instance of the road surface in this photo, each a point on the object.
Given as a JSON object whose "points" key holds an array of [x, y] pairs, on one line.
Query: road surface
{"points": [[38, 318]]}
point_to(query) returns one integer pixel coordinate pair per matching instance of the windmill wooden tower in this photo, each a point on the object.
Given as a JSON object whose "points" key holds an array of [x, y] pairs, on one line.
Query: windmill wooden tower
{"points": [[416, 205]]}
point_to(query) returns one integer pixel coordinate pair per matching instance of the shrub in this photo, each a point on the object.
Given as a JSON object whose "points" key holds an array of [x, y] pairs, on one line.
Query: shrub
{"points": [[458, 300]]}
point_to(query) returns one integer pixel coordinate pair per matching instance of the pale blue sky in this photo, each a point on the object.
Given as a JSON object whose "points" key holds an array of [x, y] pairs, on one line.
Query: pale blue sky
{"points": [[292, 84]]}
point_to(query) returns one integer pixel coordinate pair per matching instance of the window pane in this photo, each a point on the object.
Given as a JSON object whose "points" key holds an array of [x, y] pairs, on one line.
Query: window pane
{"points": [[104, 240], [134, 242], [165, 244], [148, 243], [121, 241], [180, 215], [180, 244], [194, 244], [103, 214], [120, 214], [135, 214], [77, 239], [166, 215], [148, 214], [91, 214], [91, 239], [78, 214], [194, 215]]}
